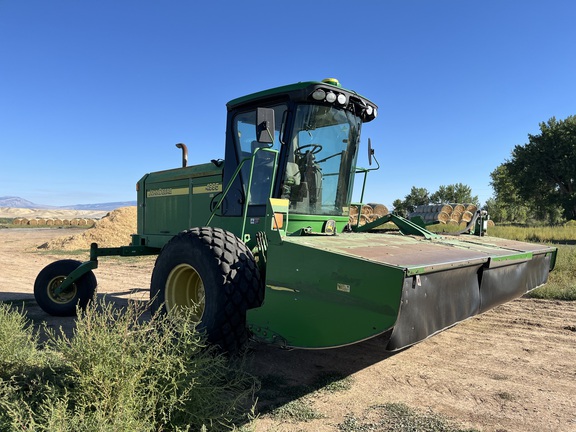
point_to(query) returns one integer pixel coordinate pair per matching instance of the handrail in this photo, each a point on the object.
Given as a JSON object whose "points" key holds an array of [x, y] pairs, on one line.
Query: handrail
{"points": [[249, 186]]}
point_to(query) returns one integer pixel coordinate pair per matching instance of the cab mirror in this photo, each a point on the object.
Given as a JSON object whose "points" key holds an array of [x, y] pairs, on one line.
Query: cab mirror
{"points": [[265, 125]]}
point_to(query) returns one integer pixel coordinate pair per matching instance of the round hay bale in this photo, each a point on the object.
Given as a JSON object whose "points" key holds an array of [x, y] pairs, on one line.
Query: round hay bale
{"points": [[471, 208], [373, 217], [33, 222], [453, 222], [65, 221], [19, 221], [41, 222], [57, 222], [49, 222], [467, 216], [447, 208], [353, 210], [456, 216], [379, 209], [364, 219], [82, 222], [458, 208], [367, 210], [490, 223], [353, 219], [443, 217], [463, 224]]}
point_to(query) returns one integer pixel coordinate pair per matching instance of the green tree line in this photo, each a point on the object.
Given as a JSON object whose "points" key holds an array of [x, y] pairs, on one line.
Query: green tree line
{"points": [[537, 183]]}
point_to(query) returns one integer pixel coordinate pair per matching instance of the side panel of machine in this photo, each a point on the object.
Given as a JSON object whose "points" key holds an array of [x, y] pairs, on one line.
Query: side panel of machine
{"points": [[318, 299], [176, 200]]}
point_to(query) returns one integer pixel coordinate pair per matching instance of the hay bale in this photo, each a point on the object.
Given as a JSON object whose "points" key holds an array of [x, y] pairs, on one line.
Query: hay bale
{"points": [[447, 208], [458, 208], [367, 210], [20, 221], [364, 219], [33, 222], [57, 222], [467, 216], [379, 209], [41, 222], [66, 222], [490, 223], [456, 216], [353, 210], [471, 208], [443, 217]]}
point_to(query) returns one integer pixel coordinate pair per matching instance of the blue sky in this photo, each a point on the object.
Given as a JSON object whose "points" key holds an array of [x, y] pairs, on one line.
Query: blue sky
{"points": [[95, 94]]}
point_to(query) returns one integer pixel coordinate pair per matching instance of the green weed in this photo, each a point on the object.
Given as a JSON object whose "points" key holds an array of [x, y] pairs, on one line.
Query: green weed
{"points": [[398, 417], [298, 410], [119, 372]]}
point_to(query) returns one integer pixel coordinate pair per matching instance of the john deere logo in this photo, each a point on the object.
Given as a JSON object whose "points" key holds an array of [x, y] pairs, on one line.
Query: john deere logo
{"points": [[162, 192]]}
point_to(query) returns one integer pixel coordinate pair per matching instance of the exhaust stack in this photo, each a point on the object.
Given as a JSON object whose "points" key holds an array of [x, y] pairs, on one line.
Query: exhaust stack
{"points": [[184, 154]]}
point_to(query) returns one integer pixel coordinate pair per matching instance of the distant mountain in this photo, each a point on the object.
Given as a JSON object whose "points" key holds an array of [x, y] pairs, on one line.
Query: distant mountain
{"points": [[102, 206], [17, 202]]}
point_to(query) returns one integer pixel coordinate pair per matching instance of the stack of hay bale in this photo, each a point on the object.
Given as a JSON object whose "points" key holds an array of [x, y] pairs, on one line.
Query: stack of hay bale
{"points": [[368, 213], [452, 214]]}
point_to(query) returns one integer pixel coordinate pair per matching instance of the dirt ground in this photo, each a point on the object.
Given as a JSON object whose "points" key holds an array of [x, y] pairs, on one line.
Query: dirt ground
{"points": [[510, 369]]}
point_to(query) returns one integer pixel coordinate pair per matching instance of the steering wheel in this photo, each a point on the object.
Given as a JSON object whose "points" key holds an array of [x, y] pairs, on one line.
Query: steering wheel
{"points": [[316, 148]]}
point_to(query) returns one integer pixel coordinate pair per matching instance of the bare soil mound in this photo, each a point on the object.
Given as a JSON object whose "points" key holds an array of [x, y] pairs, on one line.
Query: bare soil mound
{"points": [[112, 230]]}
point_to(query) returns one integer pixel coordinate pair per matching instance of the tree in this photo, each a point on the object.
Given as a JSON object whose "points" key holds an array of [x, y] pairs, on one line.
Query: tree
{"points": [[544, 170], [454, 193], [416, 197], [506, 205]]}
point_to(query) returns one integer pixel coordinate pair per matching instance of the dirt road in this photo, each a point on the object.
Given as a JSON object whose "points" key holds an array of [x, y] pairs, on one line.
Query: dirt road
{"points": [[511, 369]]}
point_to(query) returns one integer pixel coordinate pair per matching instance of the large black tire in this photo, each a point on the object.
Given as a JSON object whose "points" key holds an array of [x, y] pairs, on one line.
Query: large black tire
{"points": [[212, 271], [64, 303]]}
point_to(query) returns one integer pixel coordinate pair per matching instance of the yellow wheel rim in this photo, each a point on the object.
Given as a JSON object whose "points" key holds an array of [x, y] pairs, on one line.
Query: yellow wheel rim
{"points": [[185, 288], [62, 297]]}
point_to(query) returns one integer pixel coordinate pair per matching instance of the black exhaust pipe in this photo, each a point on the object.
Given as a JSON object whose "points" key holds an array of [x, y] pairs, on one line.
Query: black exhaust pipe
{"points": [[184, 154]]}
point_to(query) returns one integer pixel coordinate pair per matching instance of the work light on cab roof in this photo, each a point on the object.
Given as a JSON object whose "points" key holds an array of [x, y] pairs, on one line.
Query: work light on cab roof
{"points": [[334, 96]]}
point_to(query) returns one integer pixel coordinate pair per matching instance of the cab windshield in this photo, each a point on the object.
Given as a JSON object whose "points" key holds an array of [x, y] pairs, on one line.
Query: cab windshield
{"points": [[321, 156]]}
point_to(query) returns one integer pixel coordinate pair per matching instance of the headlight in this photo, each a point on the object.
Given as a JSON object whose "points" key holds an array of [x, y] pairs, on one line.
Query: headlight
{"points": [[330, 97], [319, 94]]}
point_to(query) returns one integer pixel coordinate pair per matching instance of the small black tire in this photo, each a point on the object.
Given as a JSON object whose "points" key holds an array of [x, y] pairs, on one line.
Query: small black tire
{"points": [[212, 271], [64, 303]]}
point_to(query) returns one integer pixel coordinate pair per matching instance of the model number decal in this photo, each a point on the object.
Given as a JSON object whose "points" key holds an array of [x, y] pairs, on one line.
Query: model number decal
{"points": [[207, 188]]}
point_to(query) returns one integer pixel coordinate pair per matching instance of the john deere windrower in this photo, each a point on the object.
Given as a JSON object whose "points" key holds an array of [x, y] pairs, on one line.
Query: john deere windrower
{"points": [[260, 244]]}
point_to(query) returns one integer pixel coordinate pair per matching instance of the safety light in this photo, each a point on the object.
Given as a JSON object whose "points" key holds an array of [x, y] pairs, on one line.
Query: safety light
{"points": [[319, 94], [341, 99], [369, 110], [332, 81], [330, 97]]}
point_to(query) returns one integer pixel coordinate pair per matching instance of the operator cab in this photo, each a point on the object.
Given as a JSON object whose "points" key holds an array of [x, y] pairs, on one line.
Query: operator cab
{"points": [[297, 142]]}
